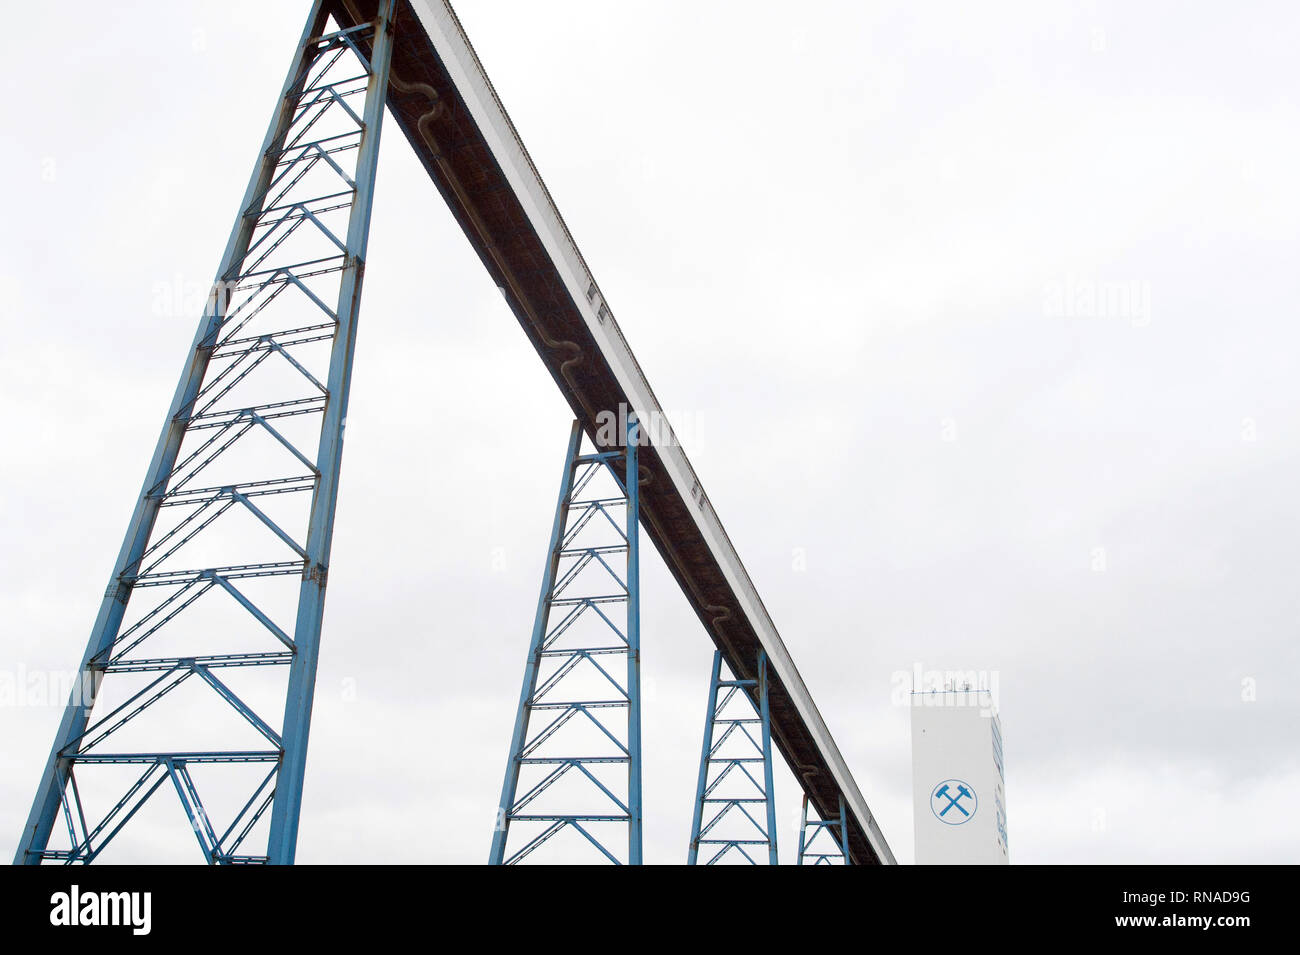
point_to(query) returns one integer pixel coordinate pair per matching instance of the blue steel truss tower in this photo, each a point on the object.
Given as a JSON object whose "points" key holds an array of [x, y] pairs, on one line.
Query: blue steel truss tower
{"points": [[735, 773], [571, 765], [217, 596], [832, 848]]}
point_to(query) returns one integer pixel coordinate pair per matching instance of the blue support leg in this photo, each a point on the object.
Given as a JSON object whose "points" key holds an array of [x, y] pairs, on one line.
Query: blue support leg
{"points": [[285, 247], [731, 783], [632, 488], [768, 787], [568, 683], [803, 831], [829, 850]]}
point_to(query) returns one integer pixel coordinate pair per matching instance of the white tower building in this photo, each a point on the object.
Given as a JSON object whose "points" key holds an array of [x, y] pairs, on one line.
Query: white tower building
{"points": [[958, 788]]}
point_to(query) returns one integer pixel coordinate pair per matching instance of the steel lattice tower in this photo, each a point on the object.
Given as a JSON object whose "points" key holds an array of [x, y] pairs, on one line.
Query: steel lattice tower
{"points": [[235, 506], [567, 727], [735, 772], [830, 849]]}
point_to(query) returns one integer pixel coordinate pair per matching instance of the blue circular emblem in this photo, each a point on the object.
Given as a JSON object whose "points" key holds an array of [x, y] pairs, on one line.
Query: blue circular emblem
{"points": [[954, 802]]}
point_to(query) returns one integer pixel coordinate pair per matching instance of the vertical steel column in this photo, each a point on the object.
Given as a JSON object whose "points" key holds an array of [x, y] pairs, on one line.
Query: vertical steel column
{"points": [[732, 810], [766, 715], [576, 588], [803, 828], [844, 832], [632, 488], [329, 457]]}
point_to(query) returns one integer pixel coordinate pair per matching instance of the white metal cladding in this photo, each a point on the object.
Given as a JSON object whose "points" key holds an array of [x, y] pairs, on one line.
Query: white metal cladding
{"points": [[449, 40]]}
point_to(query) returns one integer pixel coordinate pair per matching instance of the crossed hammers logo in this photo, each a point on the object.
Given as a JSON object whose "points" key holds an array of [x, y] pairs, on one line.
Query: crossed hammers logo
{"points": [[944, 801], [954, 802]]}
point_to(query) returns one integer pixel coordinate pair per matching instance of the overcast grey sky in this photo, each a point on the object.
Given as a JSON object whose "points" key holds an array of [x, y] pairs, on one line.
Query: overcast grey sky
{"points": [[1006, 294]]}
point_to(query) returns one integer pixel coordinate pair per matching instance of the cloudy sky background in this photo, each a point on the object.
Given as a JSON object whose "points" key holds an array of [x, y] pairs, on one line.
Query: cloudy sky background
{"points": [[859, 237]]}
